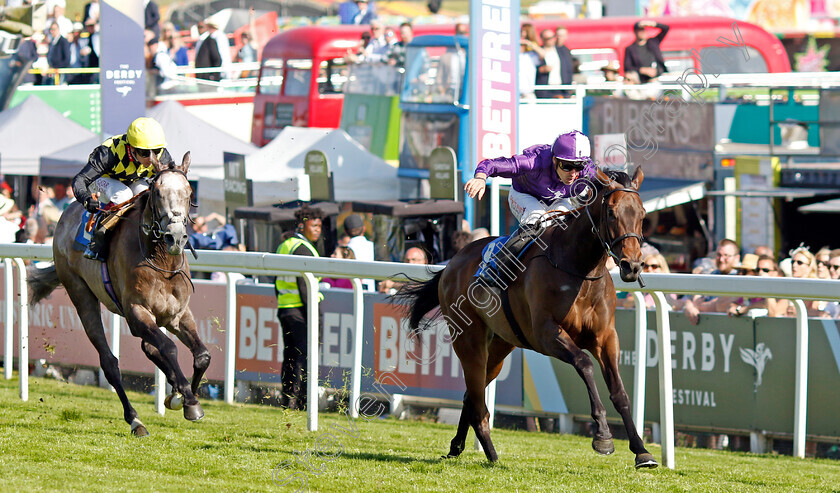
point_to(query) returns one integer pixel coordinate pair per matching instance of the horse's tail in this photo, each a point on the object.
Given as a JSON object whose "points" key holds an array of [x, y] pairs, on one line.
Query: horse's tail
{"points": [[420, 298], [42, 282]]}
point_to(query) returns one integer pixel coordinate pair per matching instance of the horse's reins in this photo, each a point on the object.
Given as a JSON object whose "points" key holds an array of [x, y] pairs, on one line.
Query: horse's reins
{"points": [[596, 230], [550, 216]]}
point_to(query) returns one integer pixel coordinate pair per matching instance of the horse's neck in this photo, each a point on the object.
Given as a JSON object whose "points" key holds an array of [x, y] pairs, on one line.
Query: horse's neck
{"points": [[577, 244]]}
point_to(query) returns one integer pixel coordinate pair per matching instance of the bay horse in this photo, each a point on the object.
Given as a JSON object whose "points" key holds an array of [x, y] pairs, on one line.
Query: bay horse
{"points": [[561, 302], [150, 281]]}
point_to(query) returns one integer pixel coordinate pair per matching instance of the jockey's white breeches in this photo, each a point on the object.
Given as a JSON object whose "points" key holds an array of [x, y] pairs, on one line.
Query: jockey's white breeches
{"points": [[529, 209], [111, 190]]}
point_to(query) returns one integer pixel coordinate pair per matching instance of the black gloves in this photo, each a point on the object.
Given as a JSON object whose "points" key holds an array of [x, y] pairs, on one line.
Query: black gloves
{"points": [[92, 205]]}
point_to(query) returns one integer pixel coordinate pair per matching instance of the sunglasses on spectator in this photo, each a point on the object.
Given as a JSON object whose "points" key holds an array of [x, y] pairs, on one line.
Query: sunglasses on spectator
{"points": [[144, 153], [652, 266], [834, 266], [800, 262], [765, 270], [822, 262], [570, 165]]}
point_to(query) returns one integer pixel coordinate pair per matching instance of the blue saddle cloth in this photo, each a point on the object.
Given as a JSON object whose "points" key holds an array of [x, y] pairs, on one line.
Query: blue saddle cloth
{"points": [[82, 236], [489, 268]]}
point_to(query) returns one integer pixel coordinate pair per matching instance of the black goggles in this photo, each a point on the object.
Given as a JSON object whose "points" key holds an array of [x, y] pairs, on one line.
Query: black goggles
{"points": [[570, 165], [144, 153]]}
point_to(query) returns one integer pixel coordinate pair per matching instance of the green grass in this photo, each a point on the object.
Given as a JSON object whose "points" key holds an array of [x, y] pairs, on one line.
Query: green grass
{"points": [[72, 438]]}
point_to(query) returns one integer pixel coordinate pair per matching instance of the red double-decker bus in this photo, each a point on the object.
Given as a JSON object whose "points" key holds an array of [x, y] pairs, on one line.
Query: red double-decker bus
{"points": [[304, 71], [302, 77]]}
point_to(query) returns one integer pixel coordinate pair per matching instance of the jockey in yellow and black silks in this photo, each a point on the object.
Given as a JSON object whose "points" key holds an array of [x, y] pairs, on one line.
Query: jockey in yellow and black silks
{"points": [[118, 169]]}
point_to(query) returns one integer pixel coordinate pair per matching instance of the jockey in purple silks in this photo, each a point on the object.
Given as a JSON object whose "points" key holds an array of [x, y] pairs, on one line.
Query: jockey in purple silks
{"points": [[545, 178]]}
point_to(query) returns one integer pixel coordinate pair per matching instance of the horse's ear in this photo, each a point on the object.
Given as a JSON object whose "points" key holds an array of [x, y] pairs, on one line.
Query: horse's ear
{"points": [[638, 178], [185, 162]]}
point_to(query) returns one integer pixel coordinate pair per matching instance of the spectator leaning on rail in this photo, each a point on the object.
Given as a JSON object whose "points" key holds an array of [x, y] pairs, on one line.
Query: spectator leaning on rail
{"points": [[545, 177], [291, 307], [727, 257], [117, 170]]}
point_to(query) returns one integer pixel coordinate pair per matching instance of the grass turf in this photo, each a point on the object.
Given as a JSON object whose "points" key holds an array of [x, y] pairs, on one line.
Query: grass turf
{"points": [[73, 438]]}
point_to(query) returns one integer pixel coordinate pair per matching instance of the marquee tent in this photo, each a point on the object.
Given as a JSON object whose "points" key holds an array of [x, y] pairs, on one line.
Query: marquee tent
{"points": [[33, 129], [184, 132], [277, 170]]}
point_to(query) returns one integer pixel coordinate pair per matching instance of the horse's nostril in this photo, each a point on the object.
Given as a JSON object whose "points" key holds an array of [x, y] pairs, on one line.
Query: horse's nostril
{"points": [[168, 238]]}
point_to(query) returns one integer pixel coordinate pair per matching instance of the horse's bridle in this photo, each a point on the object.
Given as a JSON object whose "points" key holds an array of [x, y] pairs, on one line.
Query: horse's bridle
{"points": [[155, 230], [608, 246]]}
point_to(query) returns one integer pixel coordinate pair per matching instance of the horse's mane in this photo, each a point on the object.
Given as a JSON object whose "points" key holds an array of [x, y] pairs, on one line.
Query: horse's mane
{"points": [[620, 177]]}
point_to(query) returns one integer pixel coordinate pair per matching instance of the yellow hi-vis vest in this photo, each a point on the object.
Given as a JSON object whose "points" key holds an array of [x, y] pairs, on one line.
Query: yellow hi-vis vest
{"points": [[288, 295]]}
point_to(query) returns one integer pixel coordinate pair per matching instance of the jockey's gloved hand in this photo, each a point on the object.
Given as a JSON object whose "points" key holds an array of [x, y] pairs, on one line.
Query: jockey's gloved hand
{"points": [[92, 205]]}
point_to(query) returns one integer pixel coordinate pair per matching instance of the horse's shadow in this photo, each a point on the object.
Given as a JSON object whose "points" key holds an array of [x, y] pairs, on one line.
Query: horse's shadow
{"points": [[384, 457]]}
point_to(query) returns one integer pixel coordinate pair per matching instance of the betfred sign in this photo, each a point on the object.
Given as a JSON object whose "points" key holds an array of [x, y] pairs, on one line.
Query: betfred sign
{"points": [[425, 360]]}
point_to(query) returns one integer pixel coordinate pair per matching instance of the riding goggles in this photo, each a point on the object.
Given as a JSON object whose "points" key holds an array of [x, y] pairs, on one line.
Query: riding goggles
{"points": [[570, 165], [144, 153]]}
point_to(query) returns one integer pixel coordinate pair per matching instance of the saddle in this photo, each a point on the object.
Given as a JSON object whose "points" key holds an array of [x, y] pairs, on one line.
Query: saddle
{"points": [[500, 258], [104, 220]]}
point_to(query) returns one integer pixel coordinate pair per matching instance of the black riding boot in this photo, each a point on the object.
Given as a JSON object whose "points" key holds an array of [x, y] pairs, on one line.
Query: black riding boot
{"points": [[97, 248], [508, 266]]}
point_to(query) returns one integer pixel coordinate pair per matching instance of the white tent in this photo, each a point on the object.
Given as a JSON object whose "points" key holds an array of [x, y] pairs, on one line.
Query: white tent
{"points": [[33, 129], [184, 132], [277, 170]]}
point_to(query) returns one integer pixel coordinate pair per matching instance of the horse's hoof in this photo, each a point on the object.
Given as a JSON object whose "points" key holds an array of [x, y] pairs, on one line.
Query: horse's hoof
{"points": [[646, 460], [174, 401], [140, 431], [137, 428], [193, 412], [603, 446]]}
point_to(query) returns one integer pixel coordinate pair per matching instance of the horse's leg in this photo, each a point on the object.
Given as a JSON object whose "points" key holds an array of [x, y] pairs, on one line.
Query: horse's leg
{"points": [[143, 325], [175, 400], [498, 351], [188, 334], [563, 348], [607, 356], [88, 308], [472, 348]]}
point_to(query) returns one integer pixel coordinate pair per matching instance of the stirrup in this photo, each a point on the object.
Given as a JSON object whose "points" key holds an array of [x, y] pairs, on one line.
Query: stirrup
{"points": [[94, 249], [511, 249]]}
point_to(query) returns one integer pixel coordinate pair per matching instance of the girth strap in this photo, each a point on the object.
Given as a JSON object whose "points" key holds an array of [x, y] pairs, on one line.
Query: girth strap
{"points": [[109, 287], [517, 330]]}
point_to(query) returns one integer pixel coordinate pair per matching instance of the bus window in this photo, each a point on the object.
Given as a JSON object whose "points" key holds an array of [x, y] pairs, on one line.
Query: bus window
{"points": [[272, 76], [298, 75], [374, 78], [422, 133], [731, 60], [434, 74], [678, 62], [591, 61], [332, 76]]}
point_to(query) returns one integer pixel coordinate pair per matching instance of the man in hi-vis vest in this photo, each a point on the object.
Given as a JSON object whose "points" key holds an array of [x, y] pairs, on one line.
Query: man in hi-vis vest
{"points": [[291, 307]]}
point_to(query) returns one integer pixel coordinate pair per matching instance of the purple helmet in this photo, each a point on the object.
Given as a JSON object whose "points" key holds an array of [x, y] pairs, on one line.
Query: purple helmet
{"points": [[571, 146]]}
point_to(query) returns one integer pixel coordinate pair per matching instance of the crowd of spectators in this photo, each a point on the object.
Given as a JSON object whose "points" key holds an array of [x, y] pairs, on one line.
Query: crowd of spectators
{"points": [[762, 261], [67, 44]]}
